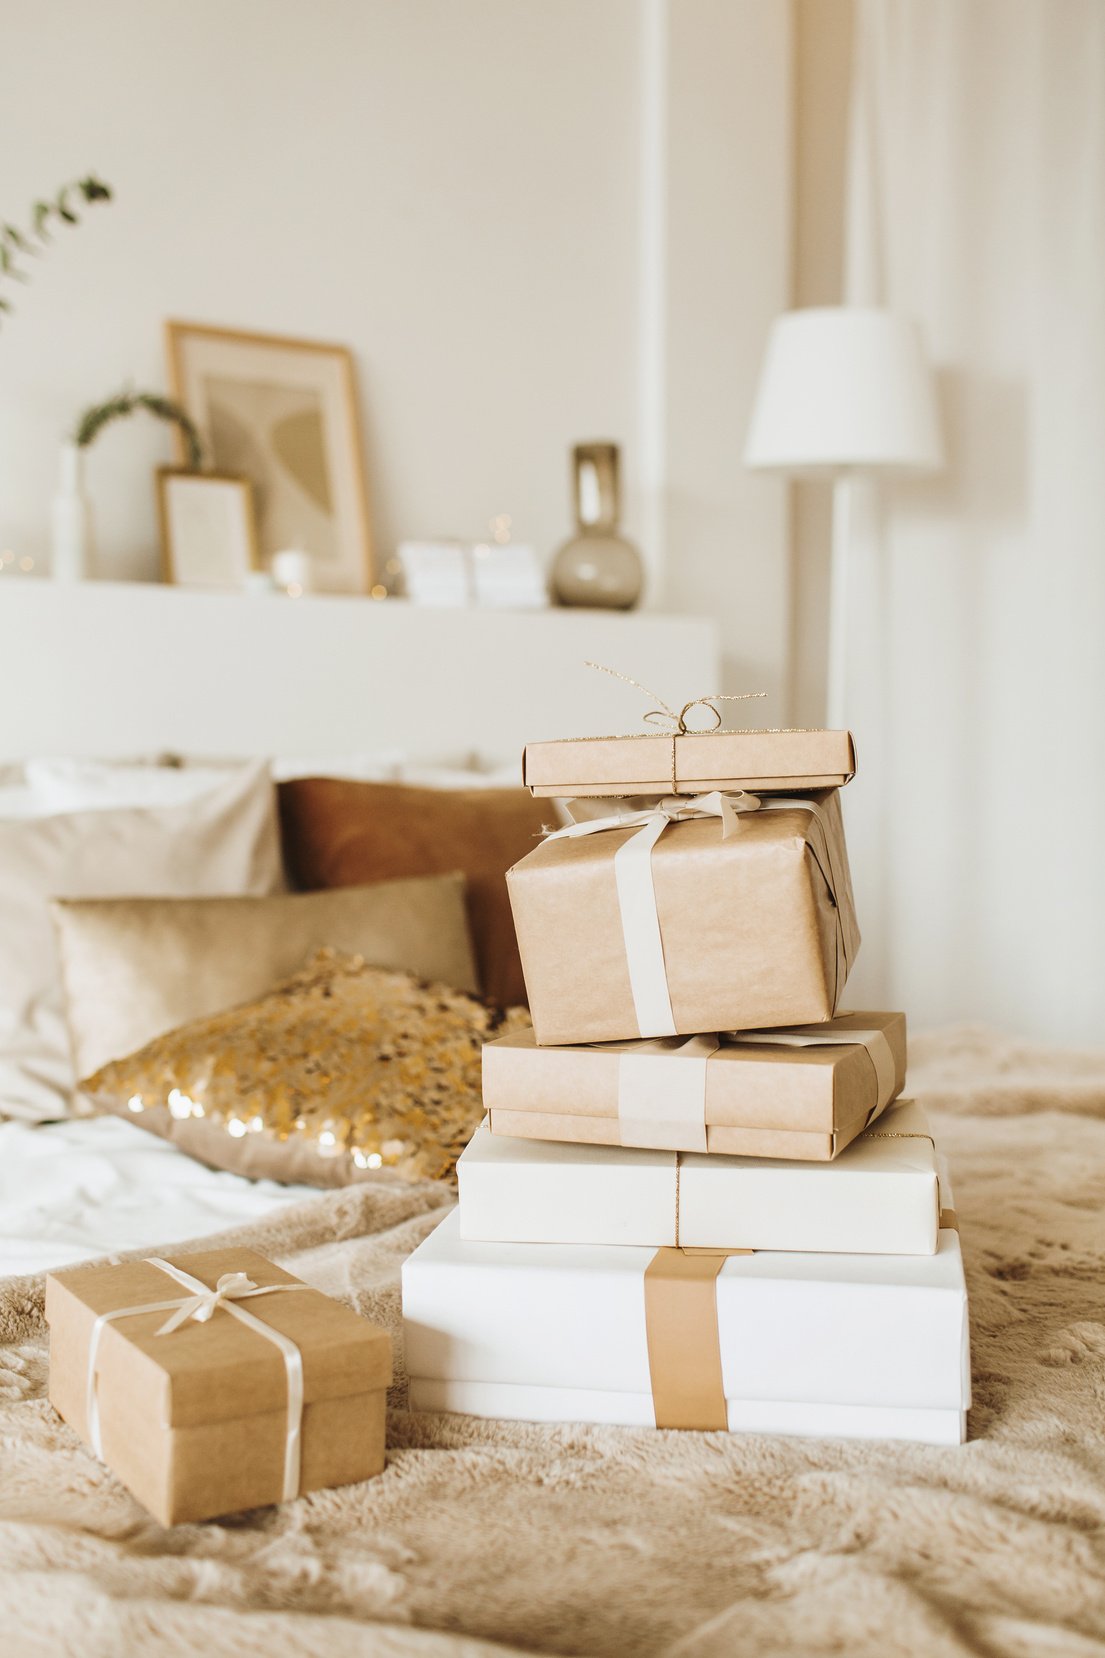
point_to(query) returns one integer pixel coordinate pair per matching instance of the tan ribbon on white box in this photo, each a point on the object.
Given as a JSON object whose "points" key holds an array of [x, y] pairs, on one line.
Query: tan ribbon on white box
{"points": [[644, 946], [684, 1350], [200, 1304]]}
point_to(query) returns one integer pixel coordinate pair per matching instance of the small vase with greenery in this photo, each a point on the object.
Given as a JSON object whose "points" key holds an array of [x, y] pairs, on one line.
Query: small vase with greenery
{"points": [[71, 518]]}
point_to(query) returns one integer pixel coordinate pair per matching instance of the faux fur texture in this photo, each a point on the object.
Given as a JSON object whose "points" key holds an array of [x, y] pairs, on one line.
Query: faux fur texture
{"points": [[501, 1538]]}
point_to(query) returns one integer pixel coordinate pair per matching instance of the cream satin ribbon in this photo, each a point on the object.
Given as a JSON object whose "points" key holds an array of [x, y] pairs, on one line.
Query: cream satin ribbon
{"points": [[231, 1289], [878, 1049], [644, 947], [662, 1090], [662, 1095]]}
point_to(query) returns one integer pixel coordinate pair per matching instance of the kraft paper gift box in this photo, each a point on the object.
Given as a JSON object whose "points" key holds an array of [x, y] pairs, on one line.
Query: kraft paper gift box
{"points": [[803, 1093], [264, 1389], [719, 913], [689, 762], [848, 1346], [880, 1197]]}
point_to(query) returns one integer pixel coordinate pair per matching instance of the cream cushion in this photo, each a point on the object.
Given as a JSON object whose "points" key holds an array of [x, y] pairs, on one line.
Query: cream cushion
{"points": [[135, 968], [225, 841]]}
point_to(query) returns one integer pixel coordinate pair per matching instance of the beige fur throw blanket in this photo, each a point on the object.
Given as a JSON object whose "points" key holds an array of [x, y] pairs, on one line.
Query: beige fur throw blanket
{"points": [[486, 1537]]}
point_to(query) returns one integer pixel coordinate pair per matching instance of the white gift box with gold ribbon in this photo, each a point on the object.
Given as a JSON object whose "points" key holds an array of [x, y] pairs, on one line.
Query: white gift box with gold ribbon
{"points": [[850, 1346], [879, 1197]]}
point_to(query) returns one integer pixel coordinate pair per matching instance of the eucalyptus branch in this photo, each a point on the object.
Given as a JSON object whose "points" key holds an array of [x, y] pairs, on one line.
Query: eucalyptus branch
{"points": [[16, 246], [99, 415]]}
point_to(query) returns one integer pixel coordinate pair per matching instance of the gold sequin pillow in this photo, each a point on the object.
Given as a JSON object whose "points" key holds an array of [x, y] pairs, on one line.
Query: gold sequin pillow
{"points": [[336, 1073]]}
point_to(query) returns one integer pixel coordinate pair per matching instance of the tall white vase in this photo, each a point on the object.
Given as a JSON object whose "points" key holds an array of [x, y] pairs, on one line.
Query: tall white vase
{"points": [[70, 520]]}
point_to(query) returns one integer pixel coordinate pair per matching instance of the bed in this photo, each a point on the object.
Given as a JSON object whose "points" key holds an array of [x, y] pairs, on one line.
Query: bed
{"points": [[491, 1538], [486, 1537]]}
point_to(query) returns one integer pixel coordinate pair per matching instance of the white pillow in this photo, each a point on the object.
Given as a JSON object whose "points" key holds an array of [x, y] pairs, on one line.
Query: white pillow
{"points": [[224, 842], [104, 785]]}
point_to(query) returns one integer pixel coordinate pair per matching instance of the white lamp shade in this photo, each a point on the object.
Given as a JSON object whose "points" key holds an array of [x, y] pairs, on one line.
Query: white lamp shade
{"points": [[845, 388]]}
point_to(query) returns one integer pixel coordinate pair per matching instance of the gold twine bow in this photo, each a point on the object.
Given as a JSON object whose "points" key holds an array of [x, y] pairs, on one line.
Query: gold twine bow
{"points": [[676, 724], [667, 718]]}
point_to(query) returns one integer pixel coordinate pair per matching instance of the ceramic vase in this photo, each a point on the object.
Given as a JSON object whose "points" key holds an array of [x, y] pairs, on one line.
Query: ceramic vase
{"points": [[70, 520], [598, 567]]}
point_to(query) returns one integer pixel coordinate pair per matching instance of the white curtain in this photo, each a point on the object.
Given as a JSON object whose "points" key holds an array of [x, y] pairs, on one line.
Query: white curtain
{"points": [[977, 688]]}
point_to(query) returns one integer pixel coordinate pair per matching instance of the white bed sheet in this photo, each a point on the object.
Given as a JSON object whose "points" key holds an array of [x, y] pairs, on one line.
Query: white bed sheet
{"points": [[73, 1190]]}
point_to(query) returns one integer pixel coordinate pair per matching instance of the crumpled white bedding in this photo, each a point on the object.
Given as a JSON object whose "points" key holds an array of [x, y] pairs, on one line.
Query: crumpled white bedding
{"points": [[92, 1186]]}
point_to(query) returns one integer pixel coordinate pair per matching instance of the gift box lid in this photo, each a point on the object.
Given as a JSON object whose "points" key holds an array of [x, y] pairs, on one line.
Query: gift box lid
{"points": [[803, 1078], [219, 1370], [691, 762]]}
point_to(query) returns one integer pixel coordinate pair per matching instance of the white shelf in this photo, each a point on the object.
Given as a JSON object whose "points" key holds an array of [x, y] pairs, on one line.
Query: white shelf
{"points": [[106, 668]]}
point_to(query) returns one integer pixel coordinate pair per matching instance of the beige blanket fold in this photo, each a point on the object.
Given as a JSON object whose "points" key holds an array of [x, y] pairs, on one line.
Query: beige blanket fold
{"points": [[500, 1538]]}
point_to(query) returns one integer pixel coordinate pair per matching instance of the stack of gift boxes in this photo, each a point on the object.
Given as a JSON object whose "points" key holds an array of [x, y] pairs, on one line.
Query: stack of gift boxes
{"points": [[698, 1199]]}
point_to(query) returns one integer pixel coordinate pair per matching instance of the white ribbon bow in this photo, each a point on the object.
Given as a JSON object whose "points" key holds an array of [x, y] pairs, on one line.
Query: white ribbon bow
{"points": [[232, 1288]]}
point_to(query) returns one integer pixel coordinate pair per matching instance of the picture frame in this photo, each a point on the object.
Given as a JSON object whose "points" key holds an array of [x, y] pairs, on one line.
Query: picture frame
{"points": [[208, 528], [283, 412]]}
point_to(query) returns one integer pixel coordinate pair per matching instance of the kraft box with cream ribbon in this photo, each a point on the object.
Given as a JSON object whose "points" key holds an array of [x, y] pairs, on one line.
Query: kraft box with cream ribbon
{"points": [[681, 916], [848, 1346], [879, 1198], [805, 1092], [215, 1382]]}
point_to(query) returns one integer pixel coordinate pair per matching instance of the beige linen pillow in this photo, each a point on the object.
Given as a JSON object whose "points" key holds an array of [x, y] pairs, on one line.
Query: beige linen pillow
{"points": [[136, 967], [225, 841], [342, 1071]]}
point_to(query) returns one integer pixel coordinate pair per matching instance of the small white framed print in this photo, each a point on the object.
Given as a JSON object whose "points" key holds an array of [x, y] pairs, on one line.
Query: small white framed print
{"points": [[208, 528]]}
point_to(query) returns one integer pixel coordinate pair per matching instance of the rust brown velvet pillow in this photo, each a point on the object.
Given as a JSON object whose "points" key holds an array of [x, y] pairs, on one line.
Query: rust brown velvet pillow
{"points": [[339, 833]]}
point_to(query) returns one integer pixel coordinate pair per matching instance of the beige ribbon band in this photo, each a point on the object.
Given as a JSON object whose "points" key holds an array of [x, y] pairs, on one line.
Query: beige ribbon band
{"points": [[684, 1351], [874, 1043], [202, 1301], [662, 1090]]}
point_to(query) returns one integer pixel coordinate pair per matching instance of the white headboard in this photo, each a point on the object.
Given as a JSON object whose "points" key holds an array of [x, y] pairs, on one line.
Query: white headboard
{"points": [[109, 669]]}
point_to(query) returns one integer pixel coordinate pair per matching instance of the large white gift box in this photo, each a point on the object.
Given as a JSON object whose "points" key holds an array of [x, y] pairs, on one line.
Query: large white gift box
{"points": [[849, 1346], [880, 1196]]}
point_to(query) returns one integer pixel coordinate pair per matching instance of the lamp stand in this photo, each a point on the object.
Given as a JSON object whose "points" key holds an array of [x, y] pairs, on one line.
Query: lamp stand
{"points": [[836, 701]]}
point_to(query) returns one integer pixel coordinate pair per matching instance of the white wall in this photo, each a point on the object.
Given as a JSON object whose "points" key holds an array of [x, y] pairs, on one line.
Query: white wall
{"points": [[534, 221]]}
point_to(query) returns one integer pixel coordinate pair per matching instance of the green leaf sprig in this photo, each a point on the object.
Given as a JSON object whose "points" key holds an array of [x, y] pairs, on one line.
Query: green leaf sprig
{"points": [[17, 246]]}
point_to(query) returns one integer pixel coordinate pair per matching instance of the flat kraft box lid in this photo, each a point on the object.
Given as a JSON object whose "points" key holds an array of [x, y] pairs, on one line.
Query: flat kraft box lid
{"points": [[220, 1370], [703, 761], [824, 1088]]}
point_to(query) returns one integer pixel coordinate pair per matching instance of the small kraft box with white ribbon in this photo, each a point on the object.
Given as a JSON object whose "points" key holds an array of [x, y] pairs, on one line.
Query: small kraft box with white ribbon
{"points": [[803, 1092], [215, 1382], [679, 916], [880, 1197], [845, 1346]]}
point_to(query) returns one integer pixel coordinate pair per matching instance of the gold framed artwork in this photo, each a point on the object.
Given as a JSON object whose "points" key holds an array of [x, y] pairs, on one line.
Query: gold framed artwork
{"points": [[283, 413], [208, 528]]}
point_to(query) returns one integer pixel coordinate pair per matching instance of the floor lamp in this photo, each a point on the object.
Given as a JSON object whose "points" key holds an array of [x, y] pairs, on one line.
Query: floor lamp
{"points": [[844, 393]]}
